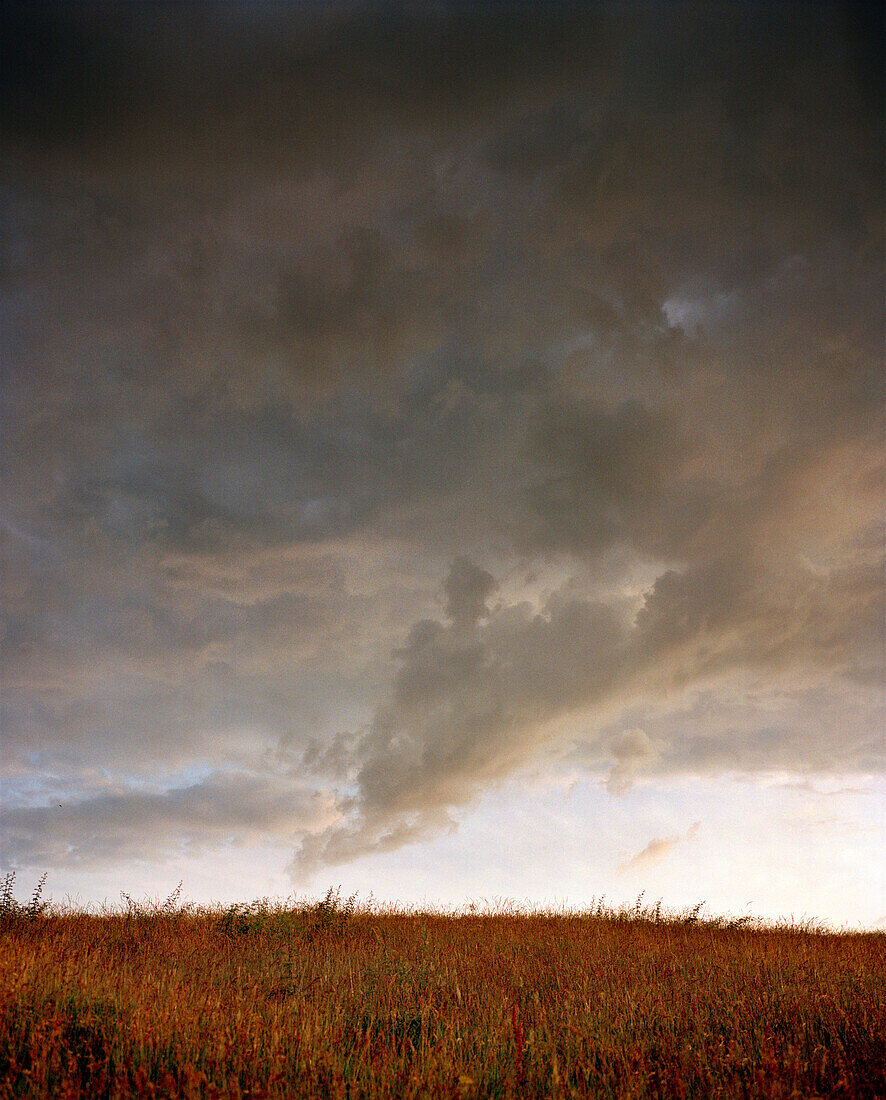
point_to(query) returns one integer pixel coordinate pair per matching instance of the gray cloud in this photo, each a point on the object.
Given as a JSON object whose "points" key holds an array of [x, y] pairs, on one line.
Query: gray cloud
{"points": [[631, 749], [467, 589], [468, 709], [127, 825], [294, 320], [616, 477]]}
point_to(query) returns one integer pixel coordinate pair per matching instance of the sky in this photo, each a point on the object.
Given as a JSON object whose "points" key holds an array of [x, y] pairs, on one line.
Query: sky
{"points": [[442, 453]]}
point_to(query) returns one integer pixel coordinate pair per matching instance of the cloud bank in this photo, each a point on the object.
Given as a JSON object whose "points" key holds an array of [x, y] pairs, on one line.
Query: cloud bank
{"points": [[574, 311]]}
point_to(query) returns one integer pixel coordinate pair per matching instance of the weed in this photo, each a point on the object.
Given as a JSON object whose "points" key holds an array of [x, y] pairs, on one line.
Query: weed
{"points": [[151, 909], [14, 913], [331, 913]]}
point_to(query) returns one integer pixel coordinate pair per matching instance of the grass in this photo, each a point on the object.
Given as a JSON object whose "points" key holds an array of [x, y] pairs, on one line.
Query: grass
{"points": [[333, 998]]}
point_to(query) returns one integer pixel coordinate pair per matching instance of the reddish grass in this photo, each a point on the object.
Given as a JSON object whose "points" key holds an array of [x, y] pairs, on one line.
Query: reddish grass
{"points": [[314, 1001]]}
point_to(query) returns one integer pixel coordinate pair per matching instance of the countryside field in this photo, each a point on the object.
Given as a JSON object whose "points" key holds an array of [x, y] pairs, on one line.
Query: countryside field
{"points": [[330, 998]]}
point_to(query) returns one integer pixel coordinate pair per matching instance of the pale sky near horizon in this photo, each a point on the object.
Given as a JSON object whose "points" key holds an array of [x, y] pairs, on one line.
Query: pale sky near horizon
{"points": [[442, 452]]}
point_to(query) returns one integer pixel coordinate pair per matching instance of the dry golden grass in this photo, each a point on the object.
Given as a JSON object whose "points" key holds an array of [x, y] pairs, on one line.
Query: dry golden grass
{"points": [[333, 1000]]}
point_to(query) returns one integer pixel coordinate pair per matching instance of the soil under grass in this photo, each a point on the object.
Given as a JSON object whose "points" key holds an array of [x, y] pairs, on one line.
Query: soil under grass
{"points": [[330, 1000]]}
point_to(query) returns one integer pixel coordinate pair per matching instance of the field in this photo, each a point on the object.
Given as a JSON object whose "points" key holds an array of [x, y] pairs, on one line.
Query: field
{"points": [[333, 999]]}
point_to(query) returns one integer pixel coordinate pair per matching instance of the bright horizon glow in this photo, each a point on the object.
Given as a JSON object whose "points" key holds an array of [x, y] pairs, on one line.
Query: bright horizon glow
{"points": [[832, 877]]}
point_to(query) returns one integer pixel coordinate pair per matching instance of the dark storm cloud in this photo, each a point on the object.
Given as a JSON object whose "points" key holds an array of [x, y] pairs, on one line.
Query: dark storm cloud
{"points": [[612, 155], [303, 305], [616, 476], [125, 80]]}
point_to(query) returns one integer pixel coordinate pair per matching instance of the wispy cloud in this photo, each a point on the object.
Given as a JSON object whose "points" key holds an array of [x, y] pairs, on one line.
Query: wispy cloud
{"points": [[655, 851]]}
